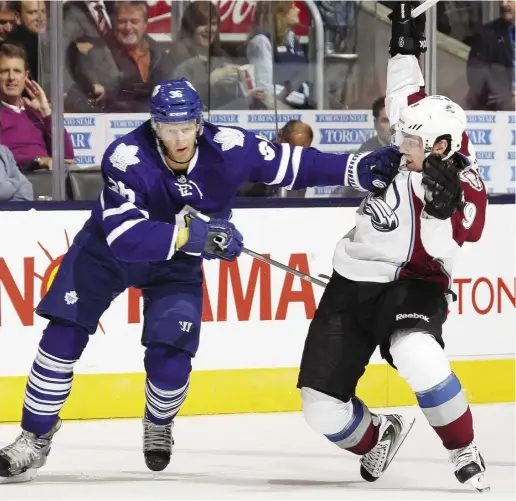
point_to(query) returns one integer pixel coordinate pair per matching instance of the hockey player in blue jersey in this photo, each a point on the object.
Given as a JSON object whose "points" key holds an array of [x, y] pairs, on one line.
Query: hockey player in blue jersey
{"points": [[139, 235]]}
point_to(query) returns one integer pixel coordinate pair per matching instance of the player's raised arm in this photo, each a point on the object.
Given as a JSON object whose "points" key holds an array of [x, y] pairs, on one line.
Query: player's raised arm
{"points": [[405, 82], [295, 167], [454, 196]]}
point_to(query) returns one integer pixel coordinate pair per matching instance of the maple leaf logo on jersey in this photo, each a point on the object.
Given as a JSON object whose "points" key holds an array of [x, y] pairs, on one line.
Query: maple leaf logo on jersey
{"points": [[229, 138], [124, 156]]}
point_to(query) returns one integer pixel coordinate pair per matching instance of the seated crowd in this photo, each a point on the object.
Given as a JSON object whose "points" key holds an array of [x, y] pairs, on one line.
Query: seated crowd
{"points": [[112, 64]]}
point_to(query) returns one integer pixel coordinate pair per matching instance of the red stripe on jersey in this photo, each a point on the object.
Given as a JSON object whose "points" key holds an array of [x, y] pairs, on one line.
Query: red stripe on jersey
{"points": [[420, 264], [464, 147], [417, 96]]}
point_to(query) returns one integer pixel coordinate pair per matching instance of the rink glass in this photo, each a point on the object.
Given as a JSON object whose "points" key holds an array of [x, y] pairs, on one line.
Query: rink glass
{"points": [[353, 75]]}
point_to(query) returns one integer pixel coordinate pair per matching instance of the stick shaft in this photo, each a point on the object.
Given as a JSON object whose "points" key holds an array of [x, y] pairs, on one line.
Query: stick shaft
{"points": [[264, 259], [423, 7], [284, 267]]}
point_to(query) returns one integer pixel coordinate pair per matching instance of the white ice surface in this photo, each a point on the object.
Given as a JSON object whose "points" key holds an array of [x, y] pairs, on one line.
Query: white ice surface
{"points": [[259, 456]]}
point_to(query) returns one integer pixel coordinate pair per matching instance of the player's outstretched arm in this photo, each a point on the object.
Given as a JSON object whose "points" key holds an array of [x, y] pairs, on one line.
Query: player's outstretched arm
{"points": [[455, 201], [295, 167]]}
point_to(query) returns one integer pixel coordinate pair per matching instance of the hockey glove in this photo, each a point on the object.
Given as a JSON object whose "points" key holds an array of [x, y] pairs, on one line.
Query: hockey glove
{"points": [[407, 34], [224, 240], [213, 239], [443, 190], [376, 170]]}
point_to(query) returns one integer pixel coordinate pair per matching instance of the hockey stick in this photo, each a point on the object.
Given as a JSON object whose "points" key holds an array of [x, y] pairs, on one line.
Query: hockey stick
{"points": [[284, 267], [255, 255], [423, 7]]}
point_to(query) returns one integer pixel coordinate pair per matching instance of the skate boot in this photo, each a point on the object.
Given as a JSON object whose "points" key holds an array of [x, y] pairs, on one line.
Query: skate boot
{"points": [[393, 431], [26, 454], [157, 444], [469, 467]]}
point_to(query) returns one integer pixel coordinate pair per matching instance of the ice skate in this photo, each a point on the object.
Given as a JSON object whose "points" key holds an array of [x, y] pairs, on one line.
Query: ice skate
{"points": [[20, 461], [469, 467], [393, 431], [157, 444]]}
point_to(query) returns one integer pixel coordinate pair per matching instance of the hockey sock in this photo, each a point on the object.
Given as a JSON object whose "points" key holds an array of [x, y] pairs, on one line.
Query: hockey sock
{"points": [[446, 409], [421, 361], [359, 435], [50, 379], [168, 378], [348, 425]]}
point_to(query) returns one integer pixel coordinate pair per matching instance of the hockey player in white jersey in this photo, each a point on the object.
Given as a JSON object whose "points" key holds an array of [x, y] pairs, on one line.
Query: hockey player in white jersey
{"points": [[391, 280]]}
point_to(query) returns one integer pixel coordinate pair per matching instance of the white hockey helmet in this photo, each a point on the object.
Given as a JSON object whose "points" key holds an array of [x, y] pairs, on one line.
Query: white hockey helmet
{"points": [[431, 118]]}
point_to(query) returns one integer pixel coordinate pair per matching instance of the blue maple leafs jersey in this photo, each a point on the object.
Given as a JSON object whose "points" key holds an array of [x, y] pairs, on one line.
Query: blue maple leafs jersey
{"points": [[138, 206]]}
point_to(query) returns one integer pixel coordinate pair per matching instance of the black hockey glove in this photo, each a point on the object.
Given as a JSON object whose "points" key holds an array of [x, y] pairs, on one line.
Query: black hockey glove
{"points": [[407, 34], [443, 190]]}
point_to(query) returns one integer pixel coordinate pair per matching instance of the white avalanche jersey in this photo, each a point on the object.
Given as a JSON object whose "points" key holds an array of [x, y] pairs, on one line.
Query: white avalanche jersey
{"points": [[393, 237]]}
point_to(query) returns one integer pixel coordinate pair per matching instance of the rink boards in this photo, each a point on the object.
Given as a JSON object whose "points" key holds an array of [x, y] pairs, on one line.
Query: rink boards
{"points": [[255, 318]]}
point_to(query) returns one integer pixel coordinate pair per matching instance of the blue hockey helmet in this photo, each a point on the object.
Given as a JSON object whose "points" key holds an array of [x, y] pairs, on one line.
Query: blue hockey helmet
{"points": [[176, 101]]}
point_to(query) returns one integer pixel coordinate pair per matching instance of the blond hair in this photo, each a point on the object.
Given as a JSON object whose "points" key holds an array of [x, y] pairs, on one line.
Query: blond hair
{"points": [[266, 13], [279, 13]]}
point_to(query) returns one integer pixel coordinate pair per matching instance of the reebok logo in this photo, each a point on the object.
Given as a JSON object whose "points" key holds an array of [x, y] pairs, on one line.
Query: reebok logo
{"points": [[403, 316]]}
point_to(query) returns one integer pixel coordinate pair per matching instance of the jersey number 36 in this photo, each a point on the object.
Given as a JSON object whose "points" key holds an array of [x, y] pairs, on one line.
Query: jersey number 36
{"points": [[122, 189]]}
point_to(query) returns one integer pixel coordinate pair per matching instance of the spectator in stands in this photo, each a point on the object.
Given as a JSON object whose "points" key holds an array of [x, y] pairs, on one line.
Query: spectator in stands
{"points": [[491, 64], [25, 122], [139, 62], [89, 22], [381, 126], [197, 55], [7, 19], [31, 34], [14, 186], [280, 64], [296, 133]]}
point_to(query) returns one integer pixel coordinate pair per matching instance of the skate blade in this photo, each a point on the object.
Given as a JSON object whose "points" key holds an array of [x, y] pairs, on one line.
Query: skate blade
{"points": [[26, 476], [407, 426], [479, 483]]}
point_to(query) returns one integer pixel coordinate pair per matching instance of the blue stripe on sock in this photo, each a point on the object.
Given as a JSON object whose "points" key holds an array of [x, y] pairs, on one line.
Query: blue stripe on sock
{"points": [[441, 393], [358, 413]]}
